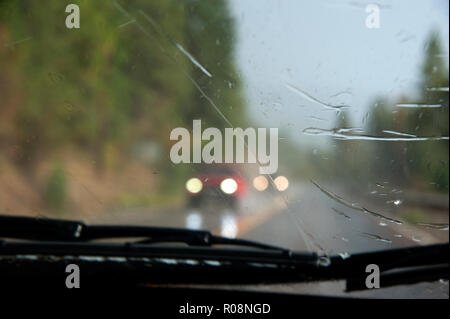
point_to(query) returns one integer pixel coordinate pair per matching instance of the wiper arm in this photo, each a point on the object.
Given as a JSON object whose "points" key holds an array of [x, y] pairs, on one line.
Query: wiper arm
{"points": [[397, 266], [45, 229]]}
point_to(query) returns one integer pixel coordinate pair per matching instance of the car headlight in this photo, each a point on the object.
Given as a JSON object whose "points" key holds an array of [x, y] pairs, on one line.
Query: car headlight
{"points": [[281, 183], [194, 185], [228, 186], [260, 183]]}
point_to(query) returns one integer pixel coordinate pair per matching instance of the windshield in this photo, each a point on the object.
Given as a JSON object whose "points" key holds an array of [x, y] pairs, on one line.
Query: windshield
{"points": [[318, 126]]}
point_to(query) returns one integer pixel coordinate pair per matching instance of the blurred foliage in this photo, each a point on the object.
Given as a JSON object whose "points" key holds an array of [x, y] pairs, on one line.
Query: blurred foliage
{"points": [[133, 200], [56, 191], [118, 80], [431, 159], [414, 215], [425, 164]]}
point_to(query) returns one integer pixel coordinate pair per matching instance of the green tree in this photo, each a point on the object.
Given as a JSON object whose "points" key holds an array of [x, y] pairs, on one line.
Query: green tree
{"points": [[425, 162], [431, 158], [122, 77]]}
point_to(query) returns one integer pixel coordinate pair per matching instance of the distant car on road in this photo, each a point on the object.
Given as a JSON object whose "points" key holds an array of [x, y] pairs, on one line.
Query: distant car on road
{"points": [[271, 183], [218, 184]]}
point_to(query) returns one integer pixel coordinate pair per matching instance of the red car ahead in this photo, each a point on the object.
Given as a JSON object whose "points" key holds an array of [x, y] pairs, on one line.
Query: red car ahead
{"points": [[215, 183]]}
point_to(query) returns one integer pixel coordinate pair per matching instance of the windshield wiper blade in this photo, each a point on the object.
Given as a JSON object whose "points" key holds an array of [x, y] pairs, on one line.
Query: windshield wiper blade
{"points": [[46, 229], [52, 237]]}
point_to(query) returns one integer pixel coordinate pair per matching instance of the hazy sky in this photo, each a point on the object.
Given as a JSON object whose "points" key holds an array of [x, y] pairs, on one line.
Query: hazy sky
{"points": [[325, 49]]}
